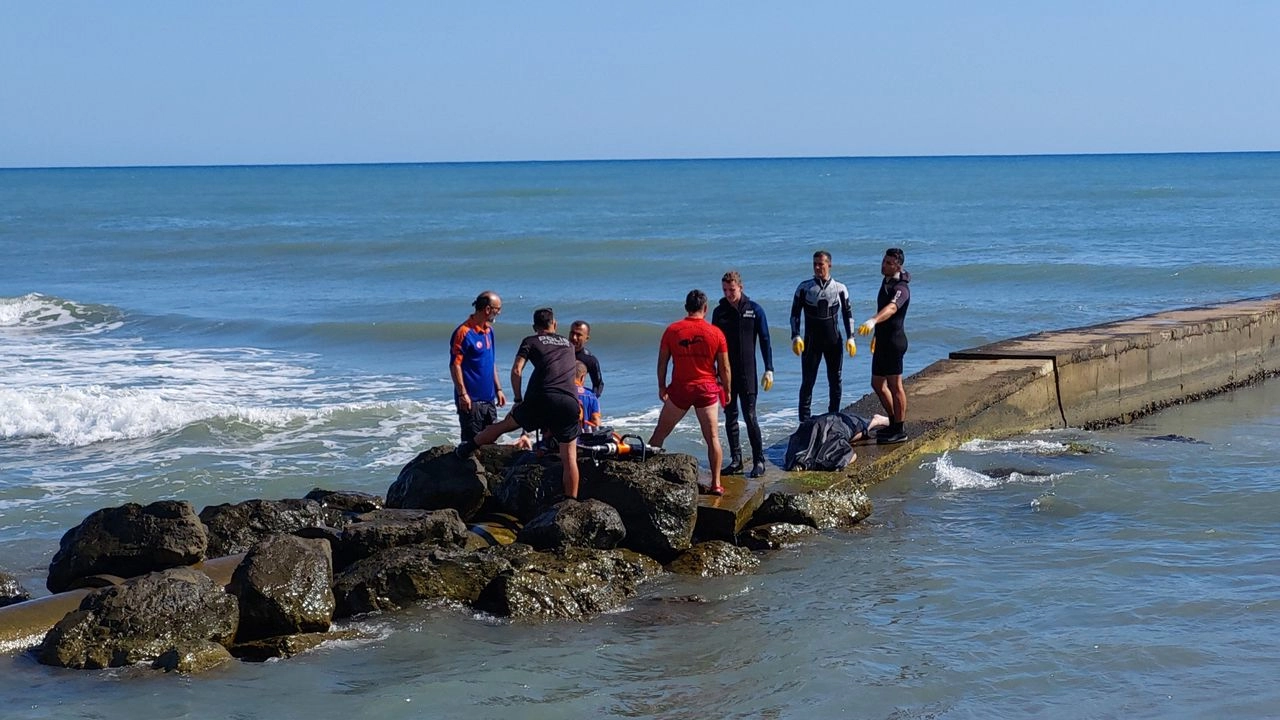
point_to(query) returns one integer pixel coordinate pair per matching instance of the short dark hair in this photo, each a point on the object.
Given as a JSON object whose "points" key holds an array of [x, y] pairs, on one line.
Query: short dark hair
{"points": [[695, 301], [581, 323], [543, 318], [483, 300], [822, 254], [896, 254]]}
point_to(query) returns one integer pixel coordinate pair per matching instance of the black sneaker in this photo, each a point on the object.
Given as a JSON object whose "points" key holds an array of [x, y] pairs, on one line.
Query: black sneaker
{"points": [[733, 468], [464, 450], [892, 438], [757, 469]]}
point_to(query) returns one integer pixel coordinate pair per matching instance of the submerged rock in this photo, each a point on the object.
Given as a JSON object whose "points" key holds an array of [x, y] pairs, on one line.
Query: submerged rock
{"points": [[772, 536], [714, 558], [178, 610], [128, 540], [571, 584], [11, 591], [821, 509]]}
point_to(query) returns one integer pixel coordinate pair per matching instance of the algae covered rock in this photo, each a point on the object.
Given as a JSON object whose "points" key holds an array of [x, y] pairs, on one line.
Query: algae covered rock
{"points": [[234, 528], [822, 509], [714, 558], [437, 479], [590, 524], [284, 585]]}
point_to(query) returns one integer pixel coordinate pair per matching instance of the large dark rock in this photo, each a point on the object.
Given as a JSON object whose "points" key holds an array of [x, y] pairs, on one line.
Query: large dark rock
{"points": [[286, 646], [128, 540], [172, 611], [590, 524], [438, 479], [393, 527], [657, 499], [821, 509], [234, 528], [284, 585], [400, 576], [714, 558], [573, 583], [192, 657], [11, 591]]}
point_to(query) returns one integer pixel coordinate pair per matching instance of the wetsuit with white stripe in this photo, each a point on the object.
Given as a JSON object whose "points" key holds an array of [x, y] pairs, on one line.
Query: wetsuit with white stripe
{"points": [[824, 305]]}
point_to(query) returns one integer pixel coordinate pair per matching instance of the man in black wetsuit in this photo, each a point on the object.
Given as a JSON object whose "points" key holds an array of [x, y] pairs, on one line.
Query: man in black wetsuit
{"points": [[742, 321], [551, 403], [579, 334], [824, 304], [890, 344]]}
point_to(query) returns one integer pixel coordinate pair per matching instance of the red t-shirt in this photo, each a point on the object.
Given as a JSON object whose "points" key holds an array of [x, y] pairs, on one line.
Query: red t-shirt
{"points": [[694, 344]]}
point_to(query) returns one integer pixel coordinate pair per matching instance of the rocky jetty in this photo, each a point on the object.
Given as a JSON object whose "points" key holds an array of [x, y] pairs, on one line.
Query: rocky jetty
{"points": [[492, 533]]}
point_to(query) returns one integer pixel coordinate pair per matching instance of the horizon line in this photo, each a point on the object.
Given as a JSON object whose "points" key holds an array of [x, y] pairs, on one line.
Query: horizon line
{"points": [[743, 158]]}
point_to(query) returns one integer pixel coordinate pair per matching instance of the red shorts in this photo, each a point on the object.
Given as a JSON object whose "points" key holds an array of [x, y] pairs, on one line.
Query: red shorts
{"points": [[698, 394]]}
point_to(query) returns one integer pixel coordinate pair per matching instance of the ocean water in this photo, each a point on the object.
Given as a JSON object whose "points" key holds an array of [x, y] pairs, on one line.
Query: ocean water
{"points": [[220, 334]]}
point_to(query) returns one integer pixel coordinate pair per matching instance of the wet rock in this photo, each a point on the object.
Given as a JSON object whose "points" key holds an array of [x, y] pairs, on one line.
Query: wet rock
{"points": [[392, 527], [528, 485], [999, 473], [286, 646], [438, 479], [821, 509], [656, 498], [572, 583], [346, 500], [772, 536], [192, 658], [11, 591], [590, 524], [400, 576], [714, 558], [284, 585], [179, 609], [234, 528], [128, 540], [1174, 438]]}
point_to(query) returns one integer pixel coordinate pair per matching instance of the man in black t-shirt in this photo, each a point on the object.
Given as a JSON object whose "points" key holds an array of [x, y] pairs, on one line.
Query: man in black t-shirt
{"points": [[551, 403]]}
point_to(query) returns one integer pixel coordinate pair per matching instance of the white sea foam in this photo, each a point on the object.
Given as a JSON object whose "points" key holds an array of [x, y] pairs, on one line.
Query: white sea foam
{"points": [[35, 312], [948, 475], [1024, 446]]}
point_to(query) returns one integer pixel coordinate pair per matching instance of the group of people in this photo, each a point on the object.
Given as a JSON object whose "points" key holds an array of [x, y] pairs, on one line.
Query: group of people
{"points": [[701, 365]]}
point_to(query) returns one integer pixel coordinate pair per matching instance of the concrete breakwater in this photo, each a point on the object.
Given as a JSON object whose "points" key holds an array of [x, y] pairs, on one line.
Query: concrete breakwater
{"points": [[1085, 377]]}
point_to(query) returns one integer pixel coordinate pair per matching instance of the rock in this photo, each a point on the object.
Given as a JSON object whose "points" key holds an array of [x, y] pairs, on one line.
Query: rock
{"points": [[284, 585], [346, 500], [235, 528], [590, 524], [145, 618], [821, 509], [192, 657], [656, 498], [391, 527], [128, 540], [11, 591], [438, 479], [528, 486], [286, 646], [772, 536], [572, 583], [400, 576], [714, 558]]}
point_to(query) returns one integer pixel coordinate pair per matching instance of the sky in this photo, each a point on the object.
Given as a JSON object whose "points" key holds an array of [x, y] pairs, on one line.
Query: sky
{"points": [[181, 82]]}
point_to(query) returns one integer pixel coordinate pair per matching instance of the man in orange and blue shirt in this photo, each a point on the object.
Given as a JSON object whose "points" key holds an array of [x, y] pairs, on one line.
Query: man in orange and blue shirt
{"points": [[477, 392]]}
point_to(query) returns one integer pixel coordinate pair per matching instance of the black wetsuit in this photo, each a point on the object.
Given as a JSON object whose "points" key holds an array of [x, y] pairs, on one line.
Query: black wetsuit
{"points": [[891, 335], [550, 402], [743, 324], [824, 305], [593, 370]]}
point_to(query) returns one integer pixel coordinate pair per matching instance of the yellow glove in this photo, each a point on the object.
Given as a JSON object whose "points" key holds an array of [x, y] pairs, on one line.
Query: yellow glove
{"points": [[766, 382], [851, 347], [797, 345], [873, 346], [867, 327]]}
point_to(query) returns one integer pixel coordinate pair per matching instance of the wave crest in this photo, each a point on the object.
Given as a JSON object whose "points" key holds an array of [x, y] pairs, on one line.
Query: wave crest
{"points": [[37, 312]]}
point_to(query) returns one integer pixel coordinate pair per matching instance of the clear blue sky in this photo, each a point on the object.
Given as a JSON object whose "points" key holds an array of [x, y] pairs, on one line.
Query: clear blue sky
{"points": [[228, 82]]}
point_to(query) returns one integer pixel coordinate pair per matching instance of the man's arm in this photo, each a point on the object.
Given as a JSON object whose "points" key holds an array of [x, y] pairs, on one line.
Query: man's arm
{"points": [[455, 370], [597, 379], [846, 312], [517, 371], [726, 377], [797, 303], [762, 333], [664, 359]]}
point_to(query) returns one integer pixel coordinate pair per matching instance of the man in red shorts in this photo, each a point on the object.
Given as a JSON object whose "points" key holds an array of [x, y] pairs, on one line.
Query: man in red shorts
{"points": [[699, 379]]}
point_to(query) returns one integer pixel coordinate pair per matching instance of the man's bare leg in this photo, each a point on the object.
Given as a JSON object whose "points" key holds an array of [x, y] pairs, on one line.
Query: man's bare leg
{"points": [[709, 421], [569, 462], [667, 420]]}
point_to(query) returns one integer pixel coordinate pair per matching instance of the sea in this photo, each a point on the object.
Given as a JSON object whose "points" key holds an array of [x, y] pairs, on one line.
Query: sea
{"points": [[217, 334]]}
